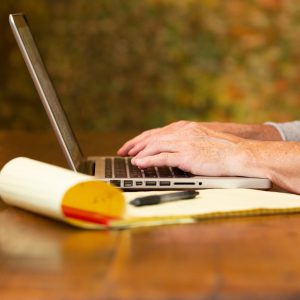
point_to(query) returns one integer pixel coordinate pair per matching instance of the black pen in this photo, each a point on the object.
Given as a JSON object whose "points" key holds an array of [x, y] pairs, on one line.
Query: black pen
{"points": [[163, 198]]}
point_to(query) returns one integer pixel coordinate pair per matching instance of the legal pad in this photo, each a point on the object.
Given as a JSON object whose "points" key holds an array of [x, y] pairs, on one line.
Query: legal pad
{"points": [[83, 201]]}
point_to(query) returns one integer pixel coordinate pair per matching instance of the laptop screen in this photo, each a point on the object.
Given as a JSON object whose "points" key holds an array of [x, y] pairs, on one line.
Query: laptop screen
{"points": [[46, 90]]}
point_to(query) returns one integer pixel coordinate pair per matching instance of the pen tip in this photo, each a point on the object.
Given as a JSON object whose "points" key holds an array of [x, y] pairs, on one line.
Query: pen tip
{"points": [[135, 202]]}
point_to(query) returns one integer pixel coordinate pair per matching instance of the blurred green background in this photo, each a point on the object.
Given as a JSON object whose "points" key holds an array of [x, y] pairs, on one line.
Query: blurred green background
{"points": [[134, 64]]}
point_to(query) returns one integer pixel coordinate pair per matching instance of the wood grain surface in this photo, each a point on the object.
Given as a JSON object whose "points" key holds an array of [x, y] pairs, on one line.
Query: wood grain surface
{"points": [[240, 258]]}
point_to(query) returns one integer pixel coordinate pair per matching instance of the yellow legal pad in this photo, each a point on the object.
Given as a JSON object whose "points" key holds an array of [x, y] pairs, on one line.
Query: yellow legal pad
{"points": [[84, 201], [209, 204]]}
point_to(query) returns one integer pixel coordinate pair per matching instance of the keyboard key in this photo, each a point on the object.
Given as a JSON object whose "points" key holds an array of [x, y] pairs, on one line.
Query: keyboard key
{"points": [[108, 168], [134, 171], [150, 173], [164, 172], [180, 173], [120, 168]]}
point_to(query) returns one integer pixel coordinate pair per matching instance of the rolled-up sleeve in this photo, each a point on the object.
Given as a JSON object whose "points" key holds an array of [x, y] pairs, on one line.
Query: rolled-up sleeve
{"points": [[289, 131]]}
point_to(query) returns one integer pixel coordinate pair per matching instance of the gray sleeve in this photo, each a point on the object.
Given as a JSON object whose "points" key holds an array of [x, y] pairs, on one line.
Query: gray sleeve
{"points": [[289, 131]]}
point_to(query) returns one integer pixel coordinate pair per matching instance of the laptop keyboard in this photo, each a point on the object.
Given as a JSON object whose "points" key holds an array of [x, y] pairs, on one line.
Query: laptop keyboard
{"points": [[119, 167]]}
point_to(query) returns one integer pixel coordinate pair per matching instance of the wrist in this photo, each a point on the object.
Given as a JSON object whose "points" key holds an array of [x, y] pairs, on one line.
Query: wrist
{"points": [[261, 132], [251, 160]]}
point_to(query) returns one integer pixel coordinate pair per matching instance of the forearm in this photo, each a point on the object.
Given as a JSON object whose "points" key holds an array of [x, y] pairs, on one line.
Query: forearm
{"points": [[278, 161], [289, 131], [247, 131]]}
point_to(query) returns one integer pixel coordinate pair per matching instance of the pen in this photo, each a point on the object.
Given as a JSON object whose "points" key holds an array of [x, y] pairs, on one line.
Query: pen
{"points": [[157, 199]]}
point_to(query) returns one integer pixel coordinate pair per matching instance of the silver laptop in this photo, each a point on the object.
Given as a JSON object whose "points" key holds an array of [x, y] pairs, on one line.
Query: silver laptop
{"points": [[116, 170]]}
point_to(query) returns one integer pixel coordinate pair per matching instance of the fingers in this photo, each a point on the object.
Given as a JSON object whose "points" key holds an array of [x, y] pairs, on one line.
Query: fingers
{"points": [[129, 145], [138, 143], [158, 160], [137, 148], [158, 146]]}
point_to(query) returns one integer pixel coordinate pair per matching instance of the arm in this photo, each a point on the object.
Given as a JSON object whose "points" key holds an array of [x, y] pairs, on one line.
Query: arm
{"points": [[289, 131], [202, 151], [278, 161], [264, 132], [270, 131]]}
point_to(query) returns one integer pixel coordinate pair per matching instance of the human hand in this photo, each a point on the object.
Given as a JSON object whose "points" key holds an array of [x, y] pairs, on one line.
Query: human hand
{"points": [[246, 131], [190, 147]]}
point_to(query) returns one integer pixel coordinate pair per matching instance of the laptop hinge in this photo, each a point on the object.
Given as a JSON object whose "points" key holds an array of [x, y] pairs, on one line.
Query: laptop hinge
{"points": [[87, 167]]}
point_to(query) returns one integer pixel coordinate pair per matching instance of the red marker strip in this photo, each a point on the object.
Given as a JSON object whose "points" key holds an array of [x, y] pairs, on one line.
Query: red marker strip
{"points": [[88, 216]]}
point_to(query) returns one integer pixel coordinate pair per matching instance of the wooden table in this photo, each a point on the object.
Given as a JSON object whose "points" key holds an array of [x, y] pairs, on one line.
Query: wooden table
{"points": [[241, 258]]}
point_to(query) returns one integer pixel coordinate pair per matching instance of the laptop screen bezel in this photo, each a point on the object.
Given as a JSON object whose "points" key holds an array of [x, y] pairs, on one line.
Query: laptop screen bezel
{"points": [[46, 91]]}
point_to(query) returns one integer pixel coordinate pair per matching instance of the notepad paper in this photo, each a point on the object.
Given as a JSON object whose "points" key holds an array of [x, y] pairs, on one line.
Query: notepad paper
{"points": [[213, 203], [84, 201], [59, 193]]}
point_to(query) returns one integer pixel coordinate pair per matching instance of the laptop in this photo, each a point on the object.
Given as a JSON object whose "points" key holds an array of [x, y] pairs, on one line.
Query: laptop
{"points": [[115, 170]]}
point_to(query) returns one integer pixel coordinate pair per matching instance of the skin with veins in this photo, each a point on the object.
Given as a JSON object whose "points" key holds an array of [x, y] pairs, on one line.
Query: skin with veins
{"points": [[219, 149]]}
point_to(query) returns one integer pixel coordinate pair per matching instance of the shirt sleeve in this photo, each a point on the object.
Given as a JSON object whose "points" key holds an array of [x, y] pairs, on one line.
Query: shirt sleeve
{"points": [[289, 131]]}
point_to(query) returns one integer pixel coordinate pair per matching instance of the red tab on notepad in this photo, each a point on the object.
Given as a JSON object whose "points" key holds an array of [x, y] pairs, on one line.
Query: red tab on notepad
{"points": [[87, 216], [94, 202]]}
